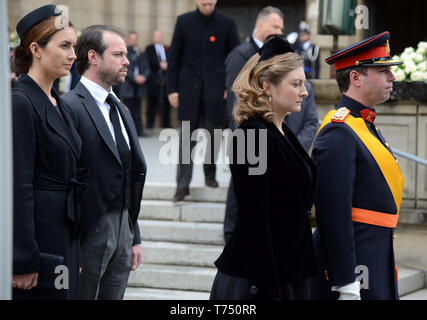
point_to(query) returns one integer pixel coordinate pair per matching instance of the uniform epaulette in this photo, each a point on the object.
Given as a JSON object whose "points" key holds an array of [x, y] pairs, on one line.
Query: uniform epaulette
{"points": [[340, 115]]}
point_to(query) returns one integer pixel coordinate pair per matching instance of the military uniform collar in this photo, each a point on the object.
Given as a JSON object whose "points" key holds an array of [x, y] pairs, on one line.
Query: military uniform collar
{"points": [[357, 109]]}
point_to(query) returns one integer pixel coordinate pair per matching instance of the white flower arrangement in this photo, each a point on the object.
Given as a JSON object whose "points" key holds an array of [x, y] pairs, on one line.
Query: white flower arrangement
{"points": [[13, 40], [414, 66]]}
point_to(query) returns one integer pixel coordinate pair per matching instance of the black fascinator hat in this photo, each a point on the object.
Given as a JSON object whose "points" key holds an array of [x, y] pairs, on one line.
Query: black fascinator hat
{"points": [[274, 45]]}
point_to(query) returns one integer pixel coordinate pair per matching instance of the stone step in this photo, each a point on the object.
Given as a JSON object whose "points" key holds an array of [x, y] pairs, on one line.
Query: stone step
{"points": [[180, 253], [183, 232], [166, 191], [163, 294], [410, 280], [185, 211], [417, 295], [200, 279], [172, 277]]}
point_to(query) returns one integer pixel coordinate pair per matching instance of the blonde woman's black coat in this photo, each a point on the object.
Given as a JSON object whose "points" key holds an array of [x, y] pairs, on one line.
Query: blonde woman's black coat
{"points": [[46, 149], [271, 244]]}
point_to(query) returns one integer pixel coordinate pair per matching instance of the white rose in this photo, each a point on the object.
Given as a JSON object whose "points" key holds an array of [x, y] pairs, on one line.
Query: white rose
{"points": [[422, 44], [422, 66], [412, 55], [421, 50], [417, 76], [408, 50], [410, 67], [419, 57], [400, 75]]}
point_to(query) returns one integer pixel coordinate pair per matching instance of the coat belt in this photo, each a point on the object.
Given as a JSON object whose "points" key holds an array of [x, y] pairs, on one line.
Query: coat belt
{"points": [[76, 191], [375, 218]]}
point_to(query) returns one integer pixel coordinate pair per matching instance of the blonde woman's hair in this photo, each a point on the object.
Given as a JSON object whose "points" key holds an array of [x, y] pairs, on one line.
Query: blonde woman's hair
{"points": [[252, 101]]}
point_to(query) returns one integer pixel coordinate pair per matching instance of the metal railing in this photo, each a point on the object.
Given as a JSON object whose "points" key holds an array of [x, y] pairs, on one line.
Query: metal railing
{"points": [[409, 156]]}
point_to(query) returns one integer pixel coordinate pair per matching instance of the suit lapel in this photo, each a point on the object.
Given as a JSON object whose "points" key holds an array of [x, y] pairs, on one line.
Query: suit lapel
{"points": [[98, 119]]}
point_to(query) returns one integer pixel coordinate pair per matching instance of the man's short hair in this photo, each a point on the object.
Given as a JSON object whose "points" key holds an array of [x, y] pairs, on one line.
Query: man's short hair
{"points": [[92, 39], [343, 77], [266, 11]]}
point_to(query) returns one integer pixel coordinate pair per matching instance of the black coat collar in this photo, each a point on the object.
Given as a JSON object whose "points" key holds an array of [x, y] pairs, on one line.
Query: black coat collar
{"points": [[43, 107]]}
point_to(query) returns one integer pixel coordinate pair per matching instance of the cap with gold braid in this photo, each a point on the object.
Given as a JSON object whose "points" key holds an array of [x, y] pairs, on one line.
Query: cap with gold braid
{"points": [[371, 52]]}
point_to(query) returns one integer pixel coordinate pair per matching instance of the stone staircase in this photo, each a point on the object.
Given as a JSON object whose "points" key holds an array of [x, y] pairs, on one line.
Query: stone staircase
{"points": [[181, 242]]}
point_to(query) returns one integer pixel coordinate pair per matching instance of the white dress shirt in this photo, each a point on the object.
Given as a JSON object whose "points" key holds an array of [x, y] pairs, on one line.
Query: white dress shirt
{"points": [[100, 94], [258, 42], [160, 50]]}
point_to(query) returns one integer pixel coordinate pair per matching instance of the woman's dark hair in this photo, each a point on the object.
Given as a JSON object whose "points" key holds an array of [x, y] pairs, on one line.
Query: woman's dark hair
{"points": [[40, 33], [92, 39]]}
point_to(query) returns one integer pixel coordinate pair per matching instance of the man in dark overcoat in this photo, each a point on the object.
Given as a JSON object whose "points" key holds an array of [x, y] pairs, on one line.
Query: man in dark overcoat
{"points": [[110, 236], [201, 41]]}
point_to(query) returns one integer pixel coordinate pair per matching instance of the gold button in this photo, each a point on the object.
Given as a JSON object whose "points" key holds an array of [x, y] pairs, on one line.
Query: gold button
{"points": [[394, 237], [387, 144]]}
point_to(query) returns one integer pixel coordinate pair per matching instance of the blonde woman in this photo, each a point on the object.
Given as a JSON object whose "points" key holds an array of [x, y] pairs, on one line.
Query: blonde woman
{"points": [[270, 252]]}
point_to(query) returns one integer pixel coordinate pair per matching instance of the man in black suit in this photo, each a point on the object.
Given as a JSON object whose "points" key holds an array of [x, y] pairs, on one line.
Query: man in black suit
{"points": [[157, 95], [303, 124], [134, 89], [110, 234], [196, 80]]}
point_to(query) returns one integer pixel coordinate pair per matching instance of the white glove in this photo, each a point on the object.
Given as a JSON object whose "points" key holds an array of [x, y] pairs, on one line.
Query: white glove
{"points": [[349, 291]]}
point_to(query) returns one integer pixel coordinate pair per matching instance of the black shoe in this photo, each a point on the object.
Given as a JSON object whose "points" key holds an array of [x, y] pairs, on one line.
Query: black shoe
{"points": [[212, 183], [180, 194]]}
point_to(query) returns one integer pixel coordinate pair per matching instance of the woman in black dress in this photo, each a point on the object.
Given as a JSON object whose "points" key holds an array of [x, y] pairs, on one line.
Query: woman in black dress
{"points": [[270, 252], [48, 185]]}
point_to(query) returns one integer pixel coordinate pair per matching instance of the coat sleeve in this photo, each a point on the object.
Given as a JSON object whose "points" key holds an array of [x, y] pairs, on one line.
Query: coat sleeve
{"points": [[252, 195], [335, 156], [174, 58], [26, 255], [310, 123], [233, 37]]}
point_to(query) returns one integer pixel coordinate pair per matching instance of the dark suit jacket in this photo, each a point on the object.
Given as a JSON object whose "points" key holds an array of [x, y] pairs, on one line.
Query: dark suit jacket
{"points": [[271, 243], [196, 63], [304, 124], [129, 89], [157, 76], [100, 155], [46, 148]]}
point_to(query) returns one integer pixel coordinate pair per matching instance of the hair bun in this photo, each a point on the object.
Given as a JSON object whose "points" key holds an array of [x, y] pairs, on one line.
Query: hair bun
{"points": [[274, 45]]}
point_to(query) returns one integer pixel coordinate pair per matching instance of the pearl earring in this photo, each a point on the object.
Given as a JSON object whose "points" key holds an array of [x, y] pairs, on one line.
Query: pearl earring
{"points": [[270, 98]]}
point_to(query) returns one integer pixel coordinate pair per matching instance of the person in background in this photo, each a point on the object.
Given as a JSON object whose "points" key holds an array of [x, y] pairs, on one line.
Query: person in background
{"points": [[48, 183], [310, 52], [270, 252], [201, 41], [134, 89], [157, 95]]}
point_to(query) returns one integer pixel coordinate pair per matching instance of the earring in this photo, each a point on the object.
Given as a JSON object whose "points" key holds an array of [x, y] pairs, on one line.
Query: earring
{"points": [[270, 98], [38, 56]]}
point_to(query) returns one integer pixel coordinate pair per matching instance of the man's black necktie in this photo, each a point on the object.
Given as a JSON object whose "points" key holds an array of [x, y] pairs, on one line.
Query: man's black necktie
{"points": [[122, 146]]}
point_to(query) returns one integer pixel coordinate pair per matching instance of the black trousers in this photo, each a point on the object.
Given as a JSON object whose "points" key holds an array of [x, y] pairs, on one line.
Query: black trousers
{"points": [[134, 105], [226, 287], [185, 167]]}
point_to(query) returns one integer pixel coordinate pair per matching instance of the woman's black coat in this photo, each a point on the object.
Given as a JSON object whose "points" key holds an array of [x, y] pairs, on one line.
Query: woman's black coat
{"points": [[271, 244], [46, 148]]}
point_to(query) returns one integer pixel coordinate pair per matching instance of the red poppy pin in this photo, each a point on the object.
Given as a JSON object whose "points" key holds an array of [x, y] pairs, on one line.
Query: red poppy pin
{"points": [[212, 39]]}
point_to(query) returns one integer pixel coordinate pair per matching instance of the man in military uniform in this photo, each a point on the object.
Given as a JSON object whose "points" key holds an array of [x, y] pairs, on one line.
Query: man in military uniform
{"points": [[359, 182]]}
